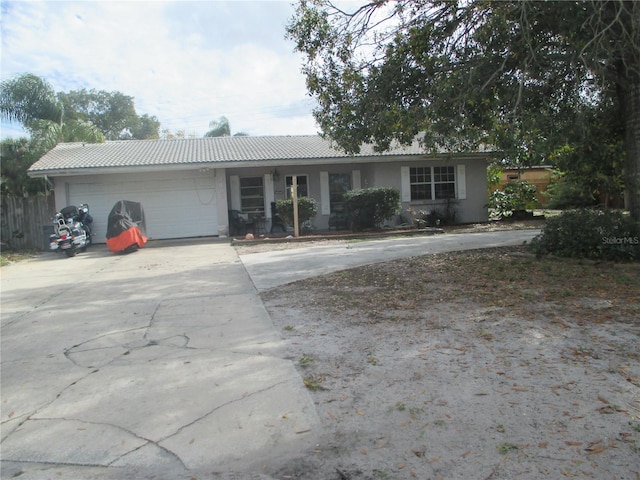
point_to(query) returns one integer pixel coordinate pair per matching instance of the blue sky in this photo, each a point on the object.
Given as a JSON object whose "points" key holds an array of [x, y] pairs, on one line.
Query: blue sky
{"points": [[186, 62]]}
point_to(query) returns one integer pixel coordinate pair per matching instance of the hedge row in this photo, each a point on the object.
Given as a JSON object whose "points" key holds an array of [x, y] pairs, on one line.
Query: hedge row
{"points": [[593, 234]]}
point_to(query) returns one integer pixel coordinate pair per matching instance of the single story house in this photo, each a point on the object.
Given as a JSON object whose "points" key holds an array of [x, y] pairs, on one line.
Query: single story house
{"points": [[188, 186]]}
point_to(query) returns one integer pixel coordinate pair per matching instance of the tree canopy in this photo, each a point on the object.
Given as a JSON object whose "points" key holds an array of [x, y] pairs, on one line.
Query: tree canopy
{"points": [[80, 115], [525, 77], [31, 101], [29, 98], [113, 113], [16, 157], [50, 118]]}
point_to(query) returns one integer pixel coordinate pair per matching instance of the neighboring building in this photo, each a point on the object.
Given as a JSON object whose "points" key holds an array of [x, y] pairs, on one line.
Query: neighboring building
{"points": [[187, 186], [539, 176]]}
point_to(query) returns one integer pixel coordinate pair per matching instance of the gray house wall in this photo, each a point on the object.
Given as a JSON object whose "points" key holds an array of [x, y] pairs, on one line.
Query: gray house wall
{"points": [[378, 174]]}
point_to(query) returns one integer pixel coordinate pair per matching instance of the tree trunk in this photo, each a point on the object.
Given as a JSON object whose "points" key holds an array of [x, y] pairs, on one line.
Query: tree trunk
{"points": [[630, 103]]}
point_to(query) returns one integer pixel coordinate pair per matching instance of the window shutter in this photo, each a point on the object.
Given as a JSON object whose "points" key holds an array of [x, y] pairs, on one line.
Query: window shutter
{"points": [[461, 182], [325, 206], [269, 195], [234, 184], [405, 184], [355, 180]]}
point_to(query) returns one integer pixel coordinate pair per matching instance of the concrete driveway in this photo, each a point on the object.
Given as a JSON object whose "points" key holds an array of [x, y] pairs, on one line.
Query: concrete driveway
{"points": [[278, 267], [158, 364], [164, 363]]}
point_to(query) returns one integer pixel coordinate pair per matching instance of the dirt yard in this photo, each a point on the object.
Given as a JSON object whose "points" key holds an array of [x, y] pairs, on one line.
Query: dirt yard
{"points": [[473, 365]]}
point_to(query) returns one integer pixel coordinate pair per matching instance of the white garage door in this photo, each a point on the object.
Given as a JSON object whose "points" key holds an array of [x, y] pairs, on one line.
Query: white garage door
{"points": [[176, 204]]}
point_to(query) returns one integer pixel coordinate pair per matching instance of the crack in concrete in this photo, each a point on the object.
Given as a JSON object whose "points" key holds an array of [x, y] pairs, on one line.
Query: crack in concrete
{"points": [[145, 332], [159, 317], [103, 335], [128, 347], [47, 299], [226, 404], [44, 301], [54, 464], [135, 435], [119, 457], [155, 444], [147, 441], [28, 417]]}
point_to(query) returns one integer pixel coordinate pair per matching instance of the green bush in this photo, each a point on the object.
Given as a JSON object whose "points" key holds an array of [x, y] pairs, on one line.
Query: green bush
{"points": [[494, 174], [565, 192], [436, 217], [594, 234], [307, 209], [369, 207], [513, 198]]}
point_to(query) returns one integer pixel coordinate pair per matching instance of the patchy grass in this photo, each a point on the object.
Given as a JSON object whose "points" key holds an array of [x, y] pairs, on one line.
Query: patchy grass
{"points": [[477, 364], [305, 360], [495, 278], [314, 383], [506, 447], [7, 258]]}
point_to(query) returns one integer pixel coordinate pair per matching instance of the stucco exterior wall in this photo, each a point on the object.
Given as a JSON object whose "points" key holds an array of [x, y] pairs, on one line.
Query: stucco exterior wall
{"points": [[468, 210], [472, 208]]}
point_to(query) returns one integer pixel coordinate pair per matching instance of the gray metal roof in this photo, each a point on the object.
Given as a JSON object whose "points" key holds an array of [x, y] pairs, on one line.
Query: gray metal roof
{"points": [[67, 158]]}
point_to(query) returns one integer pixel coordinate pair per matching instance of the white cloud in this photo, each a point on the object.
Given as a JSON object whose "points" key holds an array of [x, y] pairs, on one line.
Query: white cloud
{"points": [[185, 62]]}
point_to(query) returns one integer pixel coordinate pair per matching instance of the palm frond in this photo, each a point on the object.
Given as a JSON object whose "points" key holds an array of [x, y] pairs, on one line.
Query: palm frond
{"points": [[27, 98], [81, 131]]}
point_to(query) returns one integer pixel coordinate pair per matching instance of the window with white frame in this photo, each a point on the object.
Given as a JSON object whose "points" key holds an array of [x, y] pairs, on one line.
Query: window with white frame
{"points": [[432, 183], [444, 182], [302, 181], [252, 195]]}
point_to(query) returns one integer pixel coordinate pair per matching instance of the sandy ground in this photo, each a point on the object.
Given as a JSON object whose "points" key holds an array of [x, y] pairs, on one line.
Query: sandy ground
{"points": [[460, 388]]}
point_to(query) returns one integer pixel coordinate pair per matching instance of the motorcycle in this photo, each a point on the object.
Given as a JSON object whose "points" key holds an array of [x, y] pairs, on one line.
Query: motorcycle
{"points": [[72, 227]]}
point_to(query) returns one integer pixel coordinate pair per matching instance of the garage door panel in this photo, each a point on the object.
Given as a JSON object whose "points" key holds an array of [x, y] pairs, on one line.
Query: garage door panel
{"points": [[175, 206]]}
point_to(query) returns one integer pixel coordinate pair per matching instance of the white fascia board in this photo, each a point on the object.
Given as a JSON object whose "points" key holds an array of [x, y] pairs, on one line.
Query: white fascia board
{"points": [[72, 172]]}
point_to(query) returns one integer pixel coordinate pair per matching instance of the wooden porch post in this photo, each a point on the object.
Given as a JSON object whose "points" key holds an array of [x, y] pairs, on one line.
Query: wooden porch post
{"points": [[294, 198]]}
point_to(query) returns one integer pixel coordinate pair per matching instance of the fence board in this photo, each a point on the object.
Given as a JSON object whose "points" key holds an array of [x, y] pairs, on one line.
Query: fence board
{"points": [[26, 222]]}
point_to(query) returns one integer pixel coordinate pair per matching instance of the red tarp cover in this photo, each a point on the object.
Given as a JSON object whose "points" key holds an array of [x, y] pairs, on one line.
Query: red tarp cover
{"points": [[126, 226], [126, 239]]}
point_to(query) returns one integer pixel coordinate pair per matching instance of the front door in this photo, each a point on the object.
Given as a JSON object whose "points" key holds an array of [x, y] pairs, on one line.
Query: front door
{"points": [[339, 184]]}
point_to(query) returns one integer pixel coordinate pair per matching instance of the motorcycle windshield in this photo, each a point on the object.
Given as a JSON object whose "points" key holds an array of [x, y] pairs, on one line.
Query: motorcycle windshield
{"points": [[69, 212]]}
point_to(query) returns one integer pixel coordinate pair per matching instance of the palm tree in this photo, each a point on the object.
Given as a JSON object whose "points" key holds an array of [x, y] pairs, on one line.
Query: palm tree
{"points": [[219, 128], [16, 158], [31, 101], [27, 98]]}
